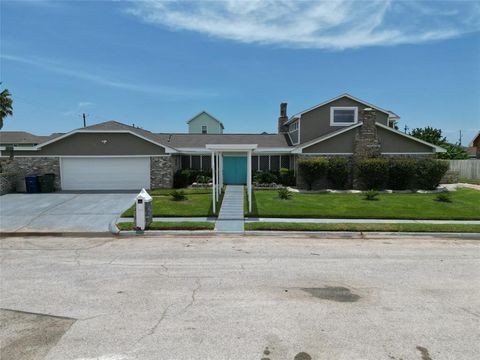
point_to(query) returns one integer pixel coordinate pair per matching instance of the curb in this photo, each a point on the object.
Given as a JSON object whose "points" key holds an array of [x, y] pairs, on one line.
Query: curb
{"points": [[56, 234]]}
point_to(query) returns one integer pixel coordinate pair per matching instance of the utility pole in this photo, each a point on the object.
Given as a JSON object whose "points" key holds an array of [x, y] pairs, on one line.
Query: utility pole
{"points": [[406, 128], [84, 120], [460, 138]]}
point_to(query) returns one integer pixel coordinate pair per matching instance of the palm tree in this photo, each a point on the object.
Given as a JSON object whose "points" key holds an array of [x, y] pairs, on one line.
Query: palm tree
{"points": [[5, 105]]}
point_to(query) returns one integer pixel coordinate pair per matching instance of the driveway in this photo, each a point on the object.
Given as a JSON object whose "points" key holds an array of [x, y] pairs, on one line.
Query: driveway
{"points": [[61, 212], [239, 297]]}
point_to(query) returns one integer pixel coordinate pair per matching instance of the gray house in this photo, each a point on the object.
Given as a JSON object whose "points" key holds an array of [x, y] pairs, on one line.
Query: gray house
{"points": [[204, 123], [112, 155]]}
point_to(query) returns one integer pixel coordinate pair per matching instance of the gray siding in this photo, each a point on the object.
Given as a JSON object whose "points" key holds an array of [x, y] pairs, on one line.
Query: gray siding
{"points": [[89, 144], [343, 143], [391, 142], [316, 122]]}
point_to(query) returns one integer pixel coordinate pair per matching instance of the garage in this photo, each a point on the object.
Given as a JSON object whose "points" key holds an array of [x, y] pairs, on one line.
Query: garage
{"points": [[105, 173]]}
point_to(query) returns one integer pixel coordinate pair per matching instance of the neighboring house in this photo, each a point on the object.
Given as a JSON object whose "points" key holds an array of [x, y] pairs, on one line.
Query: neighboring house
{"points": [[204, 123], [22, 138], [112, 155], [474, 147]]}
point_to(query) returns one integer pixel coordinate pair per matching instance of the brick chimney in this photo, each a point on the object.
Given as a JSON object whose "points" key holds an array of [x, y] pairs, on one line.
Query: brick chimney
{"points": [[366, 139], [283, 117]]}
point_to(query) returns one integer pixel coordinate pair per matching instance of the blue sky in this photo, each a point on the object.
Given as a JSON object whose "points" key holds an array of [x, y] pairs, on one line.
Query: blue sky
{"points": [[156, 64]]}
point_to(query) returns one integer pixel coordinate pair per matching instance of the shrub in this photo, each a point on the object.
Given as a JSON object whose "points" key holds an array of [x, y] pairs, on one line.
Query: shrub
{"points": [[284, 194], [265, 177], [312, 169], [181, 179], [338, 172], [401, 174], [286, 177], [373, 173], [178, 195], [202, 179], [443, 197], [371, 195], [429, 173]]}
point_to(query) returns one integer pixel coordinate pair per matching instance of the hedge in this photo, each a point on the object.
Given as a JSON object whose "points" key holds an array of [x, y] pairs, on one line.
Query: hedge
{"points": [[312, 169]]}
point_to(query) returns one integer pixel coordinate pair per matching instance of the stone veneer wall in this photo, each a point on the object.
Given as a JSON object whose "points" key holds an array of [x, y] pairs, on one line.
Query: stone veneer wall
{"points": [[23, 166], [162, 169], [7, 183]]}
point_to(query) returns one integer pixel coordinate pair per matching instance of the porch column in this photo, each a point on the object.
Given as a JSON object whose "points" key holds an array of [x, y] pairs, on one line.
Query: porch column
{"points": [[218, 177], [213, 182], [249, 180], [220, 169]]}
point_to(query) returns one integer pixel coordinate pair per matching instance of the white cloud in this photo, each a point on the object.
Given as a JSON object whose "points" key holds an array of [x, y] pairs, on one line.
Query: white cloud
{"points": [[338, 24], [81, 105], [59, 68]]}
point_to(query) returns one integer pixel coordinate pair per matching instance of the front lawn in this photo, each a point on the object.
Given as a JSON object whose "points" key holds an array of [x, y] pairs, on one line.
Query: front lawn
{"points": [[196, 204], [274, 226], [465, 205], [169, 225]]}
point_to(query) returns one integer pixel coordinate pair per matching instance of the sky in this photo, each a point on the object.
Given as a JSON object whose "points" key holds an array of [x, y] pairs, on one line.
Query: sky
{"points": [[156, 64]]}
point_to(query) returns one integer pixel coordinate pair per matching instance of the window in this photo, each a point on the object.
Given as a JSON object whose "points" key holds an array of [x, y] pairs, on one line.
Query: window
{"points": [[285, 162], [196, 162], [206, 162], [185, 161], [274, 162], [204, 129], [340, 116], [264, 163], [294, 126]]}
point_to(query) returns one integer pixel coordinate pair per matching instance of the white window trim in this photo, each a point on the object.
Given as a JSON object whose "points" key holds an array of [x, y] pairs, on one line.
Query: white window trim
{"points": [[332, 111]]}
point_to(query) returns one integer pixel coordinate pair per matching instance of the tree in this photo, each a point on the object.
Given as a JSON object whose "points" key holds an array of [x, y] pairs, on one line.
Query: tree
{"points": [[5, 105], [434, 136], [429, 134]]}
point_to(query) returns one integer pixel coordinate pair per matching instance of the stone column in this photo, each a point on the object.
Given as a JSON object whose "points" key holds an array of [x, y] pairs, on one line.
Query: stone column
{"points": [[366, 141]]}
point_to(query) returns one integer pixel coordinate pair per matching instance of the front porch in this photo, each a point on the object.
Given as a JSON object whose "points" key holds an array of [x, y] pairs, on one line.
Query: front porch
{"points": [[231, 164]]}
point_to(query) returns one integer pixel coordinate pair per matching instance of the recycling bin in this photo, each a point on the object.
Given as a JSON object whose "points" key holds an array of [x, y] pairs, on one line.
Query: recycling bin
{"points": [[31, 184], [47, 183]]}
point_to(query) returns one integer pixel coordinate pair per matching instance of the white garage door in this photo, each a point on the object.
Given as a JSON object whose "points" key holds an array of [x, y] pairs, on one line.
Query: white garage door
{"points": [[114, 173]]}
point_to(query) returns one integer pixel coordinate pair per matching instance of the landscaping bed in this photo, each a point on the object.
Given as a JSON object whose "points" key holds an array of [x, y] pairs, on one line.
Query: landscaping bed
{"points": [[449, 228], [168, 225], [464, 205], [198, 202]]}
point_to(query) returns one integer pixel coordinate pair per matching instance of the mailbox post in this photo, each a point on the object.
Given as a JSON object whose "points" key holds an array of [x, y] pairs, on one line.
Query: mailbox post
{"points": [[143, 210]]}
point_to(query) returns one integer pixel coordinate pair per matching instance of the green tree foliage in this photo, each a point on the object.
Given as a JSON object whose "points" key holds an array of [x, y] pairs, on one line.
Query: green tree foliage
{"points": [[6, 105], [435, 137]]}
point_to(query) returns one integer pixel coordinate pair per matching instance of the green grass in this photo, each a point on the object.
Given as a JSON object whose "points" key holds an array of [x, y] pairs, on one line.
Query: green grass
{"points": [[470, 181], [196, 204], [363, 227], [465, 205], [169, 225], [157, 192]]}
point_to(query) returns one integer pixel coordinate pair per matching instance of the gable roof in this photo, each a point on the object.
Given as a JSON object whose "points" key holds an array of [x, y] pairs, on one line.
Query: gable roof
{"points": [[113, 127], [391, 114], [298, 149], [474, 138], [209, 115]]}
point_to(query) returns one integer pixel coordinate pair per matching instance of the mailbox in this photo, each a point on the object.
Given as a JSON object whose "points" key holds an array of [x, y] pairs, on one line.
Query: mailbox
{"points": [[143, 210]]}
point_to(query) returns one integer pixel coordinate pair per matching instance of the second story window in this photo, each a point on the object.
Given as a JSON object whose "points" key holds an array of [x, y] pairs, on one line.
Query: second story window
{"points": [[342, 116], [294, 126], [204, 129]]}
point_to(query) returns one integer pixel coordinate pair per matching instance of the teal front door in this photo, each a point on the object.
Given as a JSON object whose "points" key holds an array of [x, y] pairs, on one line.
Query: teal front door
{"points": [[234, 170]]}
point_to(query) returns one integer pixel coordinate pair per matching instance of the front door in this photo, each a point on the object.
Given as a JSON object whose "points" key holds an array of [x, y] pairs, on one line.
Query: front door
{"points": [[234, 170]]}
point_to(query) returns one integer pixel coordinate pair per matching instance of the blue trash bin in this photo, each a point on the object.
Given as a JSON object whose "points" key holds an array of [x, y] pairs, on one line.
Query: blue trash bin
{"points": [[31, 183]]}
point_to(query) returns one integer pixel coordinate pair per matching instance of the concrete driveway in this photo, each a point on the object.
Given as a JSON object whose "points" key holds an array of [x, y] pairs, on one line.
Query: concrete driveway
{"points": [[239, 298], [61, 212]]}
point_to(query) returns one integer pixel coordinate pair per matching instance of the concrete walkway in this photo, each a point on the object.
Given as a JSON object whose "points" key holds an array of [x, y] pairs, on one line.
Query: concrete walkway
{"points": [[230, 218], [363, 221]]}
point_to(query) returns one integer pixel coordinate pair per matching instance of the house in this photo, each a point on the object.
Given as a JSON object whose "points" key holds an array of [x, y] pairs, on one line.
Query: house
{"points": [[204, 123], [112, 155], [474, 147]]}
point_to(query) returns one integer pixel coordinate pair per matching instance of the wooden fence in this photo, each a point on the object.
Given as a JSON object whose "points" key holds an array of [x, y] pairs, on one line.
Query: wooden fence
{"points": [[468, 169]]}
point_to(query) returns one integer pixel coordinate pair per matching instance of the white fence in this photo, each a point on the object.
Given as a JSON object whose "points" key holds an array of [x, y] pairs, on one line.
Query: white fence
{"points": [[468, 169]]}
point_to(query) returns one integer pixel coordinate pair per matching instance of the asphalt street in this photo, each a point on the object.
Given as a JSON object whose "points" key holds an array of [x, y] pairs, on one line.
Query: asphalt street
{"points": [[236, 297]]}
